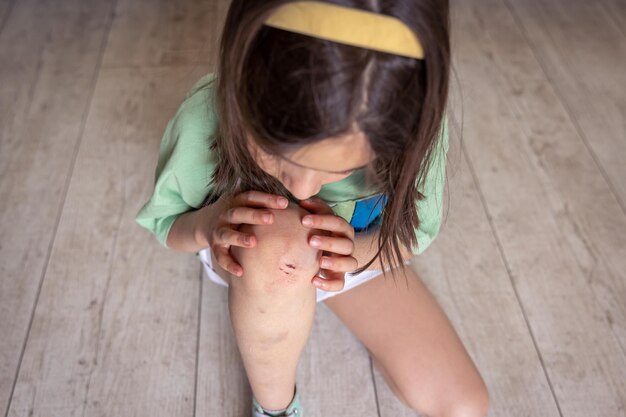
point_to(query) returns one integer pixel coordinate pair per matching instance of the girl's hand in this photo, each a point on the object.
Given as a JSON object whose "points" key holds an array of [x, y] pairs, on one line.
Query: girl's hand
{"points": [[337, 248], [244, 208]]}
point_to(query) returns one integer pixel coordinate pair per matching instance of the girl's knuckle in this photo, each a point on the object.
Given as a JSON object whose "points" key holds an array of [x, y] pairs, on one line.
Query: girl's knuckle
{"points": [[246, 197], [341, 264], [258, 216]]}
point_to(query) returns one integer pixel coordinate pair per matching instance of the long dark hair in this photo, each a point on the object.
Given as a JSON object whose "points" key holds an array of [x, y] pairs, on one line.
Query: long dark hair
{"points": [[287, 90]]}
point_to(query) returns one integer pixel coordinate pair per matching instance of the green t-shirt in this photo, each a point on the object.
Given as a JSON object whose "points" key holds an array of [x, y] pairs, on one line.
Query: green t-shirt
{"points": [[185, 165]]}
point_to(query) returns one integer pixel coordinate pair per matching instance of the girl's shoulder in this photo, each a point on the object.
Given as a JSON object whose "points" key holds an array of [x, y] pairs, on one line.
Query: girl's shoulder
{"points": [[204, 85], [185, 157], [190, 131], [197, 110]]}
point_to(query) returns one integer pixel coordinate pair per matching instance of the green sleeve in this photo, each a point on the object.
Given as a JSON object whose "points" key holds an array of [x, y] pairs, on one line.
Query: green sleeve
{"points": [[430, 209], [185, 164]]}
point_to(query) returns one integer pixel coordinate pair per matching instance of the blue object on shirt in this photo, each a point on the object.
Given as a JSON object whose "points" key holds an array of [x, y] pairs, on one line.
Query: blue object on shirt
{"points": [[367, 212]]}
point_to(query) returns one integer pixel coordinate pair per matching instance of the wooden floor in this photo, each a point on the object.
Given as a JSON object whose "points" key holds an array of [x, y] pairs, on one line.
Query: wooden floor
{"points": [[97, 319]]}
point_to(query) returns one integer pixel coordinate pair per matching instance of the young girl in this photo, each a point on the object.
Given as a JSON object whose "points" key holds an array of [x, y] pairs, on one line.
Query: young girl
{"points": [[310, 164]]}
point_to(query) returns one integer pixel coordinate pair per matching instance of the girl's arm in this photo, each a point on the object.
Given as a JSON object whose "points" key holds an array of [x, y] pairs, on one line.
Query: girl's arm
{"points": [[188, 232]]}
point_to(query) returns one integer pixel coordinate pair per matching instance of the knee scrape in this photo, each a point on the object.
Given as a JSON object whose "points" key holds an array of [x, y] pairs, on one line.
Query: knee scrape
{"points": [[287, 268], [289, 271], [282, 256]]}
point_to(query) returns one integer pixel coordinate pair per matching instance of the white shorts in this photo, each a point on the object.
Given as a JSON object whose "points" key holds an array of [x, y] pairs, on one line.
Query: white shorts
{"points": [[352, 280]]}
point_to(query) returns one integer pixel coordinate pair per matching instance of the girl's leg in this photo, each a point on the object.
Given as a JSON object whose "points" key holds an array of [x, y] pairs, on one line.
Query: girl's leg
{"points": [[414, 346], [273, 304]]}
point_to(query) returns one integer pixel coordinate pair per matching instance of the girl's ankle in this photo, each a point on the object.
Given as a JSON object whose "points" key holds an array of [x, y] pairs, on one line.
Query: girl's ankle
{"points": [[293, 409]]}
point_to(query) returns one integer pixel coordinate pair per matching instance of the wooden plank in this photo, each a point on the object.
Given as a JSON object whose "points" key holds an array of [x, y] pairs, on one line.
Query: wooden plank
{"points": [[551, 208], [5, 9], [615, 10], [333, 374], [465, 271], [597, 240], [223, 388], [115, 328], [583, 53], [149, 33], [599, 249], [48, 61]]}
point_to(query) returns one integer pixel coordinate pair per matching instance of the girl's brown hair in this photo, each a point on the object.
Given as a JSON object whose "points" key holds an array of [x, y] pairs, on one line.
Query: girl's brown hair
{"points": [[286, 90]]}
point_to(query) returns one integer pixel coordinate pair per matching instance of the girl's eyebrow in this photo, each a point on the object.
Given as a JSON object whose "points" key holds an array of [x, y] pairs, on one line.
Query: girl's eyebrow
{"points": [[322, 170]]}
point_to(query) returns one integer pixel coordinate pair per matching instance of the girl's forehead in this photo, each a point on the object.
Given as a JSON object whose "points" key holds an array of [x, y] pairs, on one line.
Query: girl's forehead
{"points": [[336, 154]]}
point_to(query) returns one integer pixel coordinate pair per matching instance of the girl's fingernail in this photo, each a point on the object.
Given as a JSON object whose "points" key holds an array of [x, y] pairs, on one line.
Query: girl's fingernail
{"points": [[267, 218], [318, 283], [325, 263], [308, 221], [282, 201], [315, 242]]}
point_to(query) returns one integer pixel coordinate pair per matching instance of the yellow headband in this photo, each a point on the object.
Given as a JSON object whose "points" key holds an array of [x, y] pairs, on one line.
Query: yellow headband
{"points": [[347, 25]]}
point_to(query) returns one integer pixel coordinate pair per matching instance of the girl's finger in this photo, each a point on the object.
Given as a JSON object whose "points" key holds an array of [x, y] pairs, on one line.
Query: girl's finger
{"points": [[230, 237], [333, 244], [261, 199], [339, 263], [329, 222], [247, 215], [334, 283], [223, 258]]}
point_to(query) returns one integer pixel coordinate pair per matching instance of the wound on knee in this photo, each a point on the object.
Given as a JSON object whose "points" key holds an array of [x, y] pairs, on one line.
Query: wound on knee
{"points": [[287, 268]]}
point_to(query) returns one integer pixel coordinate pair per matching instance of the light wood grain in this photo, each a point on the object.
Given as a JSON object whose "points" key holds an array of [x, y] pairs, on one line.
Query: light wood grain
{"points": [[47, 72], [551, 209], [5, 10], [591, 214], [334, 371], [223, 388], [615, 11], [122, 326], [115, 327], [164, 33], [583, 54]]}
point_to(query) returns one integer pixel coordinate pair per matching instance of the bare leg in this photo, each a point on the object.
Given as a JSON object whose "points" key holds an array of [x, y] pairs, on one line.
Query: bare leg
{"points": [[414, 346], [272, 305]]}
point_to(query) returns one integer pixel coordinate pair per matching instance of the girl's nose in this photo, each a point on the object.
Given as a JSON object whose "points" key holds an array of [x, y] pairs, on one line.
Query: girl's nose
{"points": [[304, 187]]}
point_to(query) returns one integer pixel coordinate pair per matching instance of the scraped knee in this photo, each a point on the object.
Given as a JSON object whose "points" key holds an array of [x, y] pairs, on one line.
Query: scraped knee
{"points": [[282, 257]]}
